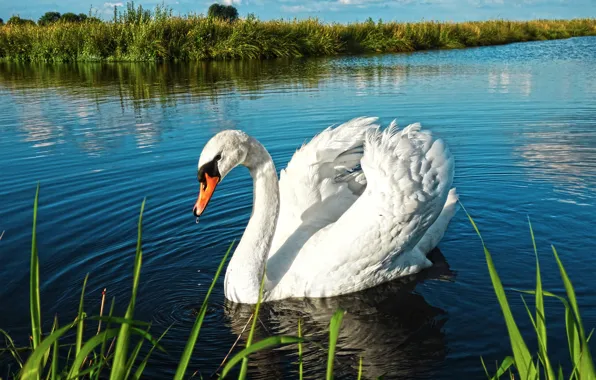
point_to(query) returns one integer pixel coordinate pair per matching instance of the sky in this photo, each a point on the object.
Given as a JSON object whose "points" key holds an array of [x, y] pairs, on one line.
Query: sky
{"points": [[331, 10]]}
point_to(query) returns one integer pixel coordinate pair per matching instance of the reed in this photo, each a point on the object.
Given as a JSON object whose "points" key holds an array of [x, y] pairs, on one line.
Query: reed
{"points": [[142, 35], [523, 364], [92, 361]]}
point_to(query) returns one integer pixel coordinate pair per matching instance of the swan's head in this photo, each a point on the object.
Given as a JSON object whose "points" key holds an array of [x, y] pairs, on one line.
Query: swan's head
{"points": [[222, 153]]}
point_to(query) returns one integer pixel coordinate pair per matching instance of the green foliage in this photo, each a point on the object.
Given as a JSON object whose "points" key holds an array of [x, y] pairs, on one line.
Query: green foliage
{"points": [[71, 17], [523, 362], [16, 20], [223, 12], [48, 18], [92, 360], [138, 34]]}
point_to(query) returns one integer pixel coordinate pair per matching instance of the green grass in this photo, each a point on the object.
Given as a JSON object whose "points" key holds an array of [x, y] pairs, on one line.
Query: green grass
{"points": [[91, 360], [523, 364], [159, 36]]}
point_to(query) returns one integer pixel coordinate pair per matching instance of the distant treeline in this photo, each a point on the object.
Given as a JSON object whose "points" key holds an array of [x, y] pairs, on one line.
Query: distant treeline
{"points": [[137, 34]]}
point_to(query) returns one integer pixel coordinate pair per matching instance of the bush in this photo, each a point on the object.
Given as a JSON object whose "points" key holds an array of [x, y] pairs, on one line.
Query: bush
{"points": [[49, 18]]}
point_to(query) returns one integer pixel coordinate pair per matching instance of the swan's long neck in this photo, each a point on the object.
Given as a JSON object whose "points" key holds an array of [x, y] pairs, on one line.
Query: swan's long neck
{"points": [[245, 270]]}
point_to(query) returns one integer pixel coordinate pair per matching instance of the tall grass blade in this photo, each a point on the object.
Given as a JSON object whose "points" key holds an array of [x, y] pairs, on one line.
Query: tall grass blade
{"points": [[334, 327], [31, 368], [360, 368], [504, 367], [141, 367], [586, 365], [540, 316], [272, 341], [34, 298], [55, 351], [300, 369], [12, 348], [133, 356], [484, 367], [196, 328], [80, 324], [244, 368], [521, 354], [87, 348], [121, 351]]}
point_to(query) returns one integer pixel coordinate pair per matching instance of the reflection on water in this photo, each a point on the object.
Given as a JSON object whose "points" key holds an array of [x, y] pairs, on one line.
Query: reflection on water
{"points": [[561, 153], [519, 119], [396, 332]]}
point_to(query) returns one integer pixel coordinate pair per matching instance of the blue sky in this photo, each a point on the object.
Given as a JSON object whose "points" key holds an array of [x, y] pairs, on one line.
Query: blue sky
{"points": [[333, 10]]}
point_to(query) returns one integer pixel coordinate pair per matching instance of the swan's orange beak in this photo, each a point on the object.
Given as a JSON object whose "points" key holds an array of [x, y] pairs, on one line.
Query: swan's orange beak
{"points": [[207, 189]]}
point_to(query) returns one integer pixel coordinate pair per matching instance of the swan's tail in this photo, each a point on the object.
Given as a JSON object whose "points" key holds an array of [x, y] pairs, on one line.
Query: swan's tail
{"points": [[435, 232]]}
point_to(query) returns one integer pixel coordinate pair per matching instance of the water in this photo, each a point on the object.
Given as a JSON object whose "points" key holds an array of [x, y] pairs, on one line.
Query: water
{"points": [[520, 120]]}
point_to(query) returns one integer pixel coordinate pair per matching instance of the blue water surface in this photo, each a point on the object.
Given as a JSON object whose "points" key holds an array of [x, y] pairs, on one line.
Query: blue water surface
{"points": [[520, 120]]}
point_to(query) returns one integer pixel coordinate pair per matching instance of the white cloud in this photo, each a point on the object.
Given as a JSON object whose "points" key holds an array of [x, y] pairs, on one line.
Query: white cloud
{"points": [[112, 5], [231, 2], [295, 8]]}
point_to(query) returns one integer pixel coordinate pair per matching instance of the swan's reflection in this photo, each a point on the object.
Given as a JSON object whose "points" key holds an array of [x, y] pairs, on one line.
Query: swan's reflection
{"points": [[396, 331]]}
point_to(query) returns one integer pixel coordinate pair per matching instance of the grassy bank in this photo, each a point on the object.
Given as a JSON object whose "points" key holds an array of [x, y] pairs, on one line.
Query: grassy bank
{"points": [[162, 37]]}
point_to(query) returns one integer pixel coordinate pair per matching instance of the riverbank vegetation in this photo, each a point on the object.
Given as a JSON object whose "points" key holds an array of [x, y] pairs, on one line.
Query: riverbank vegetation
{"points": [[138, 34], [114, 348]]}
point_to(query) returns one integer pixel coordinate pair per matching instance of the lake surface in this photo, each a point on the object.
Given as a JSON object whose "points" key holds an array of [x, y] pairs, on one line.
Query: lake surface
{"points": [[520, 120]]}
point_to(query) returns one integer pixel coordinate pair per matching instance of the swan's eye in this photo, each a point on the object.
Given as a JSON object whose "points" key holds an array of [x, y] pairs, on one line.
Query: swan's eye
{"points": [[218, 157]]}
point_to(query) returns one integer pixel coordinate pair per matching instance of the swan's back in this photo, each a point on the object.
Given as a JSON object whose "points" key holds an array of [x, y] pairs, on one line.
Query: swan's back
{"points": [[369, 230]]}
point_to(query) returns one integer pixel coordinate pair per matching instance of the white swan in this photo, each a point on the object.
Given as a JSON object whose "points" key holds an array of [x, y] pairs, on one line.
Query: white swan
{"points": [[354, 208]]}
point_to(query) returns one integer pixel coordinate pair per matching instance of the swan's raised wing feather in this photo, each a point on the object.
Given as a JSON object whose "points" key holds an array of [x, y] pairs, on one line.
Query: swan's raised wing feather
{"points": [[322, 180], [408, 174]]}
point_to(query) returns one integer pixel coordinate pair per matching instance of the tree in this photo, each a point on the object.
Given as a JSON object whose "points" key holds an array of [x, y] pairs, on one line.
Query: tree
{"points": [[49, 18], [71, 17], [17, 20], [227, 13], [1, 22]]}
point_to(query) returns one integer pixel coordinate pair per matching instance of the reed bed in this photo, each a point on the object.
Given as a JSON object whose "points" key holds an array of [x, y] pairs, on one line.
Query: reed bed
{"points": [[160, 36]]}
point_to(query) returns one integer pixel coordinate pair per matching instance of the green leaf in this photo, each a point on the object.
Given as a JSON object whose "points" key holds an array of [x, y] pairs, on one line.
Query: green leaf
{"points": [[586, 365], [55, 349], [139, 372], [504, 367], [12, 348], [196, 328], [360, 368], [540, 315], [80, 326], [300, 369], [521, 354], [120, 320], [244, 367], [272, 341], [31, 368], [34, 298], [87, 348], [334, 327], [121, 351]]}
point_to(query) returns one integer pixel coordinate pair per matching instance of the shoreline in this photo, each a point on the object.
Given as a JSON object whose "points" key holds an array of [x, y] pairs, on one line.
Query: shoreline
{"points": [[198, 38]]}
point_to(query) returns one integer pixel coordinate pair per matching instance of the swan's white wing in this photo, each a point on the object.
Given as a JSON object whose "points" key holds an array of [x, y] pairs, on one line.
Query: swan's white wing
{"points": [[322, 180], [409, 174]]}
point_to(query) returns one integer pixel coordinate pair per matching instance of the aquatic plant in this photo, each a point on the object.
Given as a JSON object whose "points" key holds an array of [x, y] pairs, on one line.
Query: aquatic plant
{"points": [[138, 34], [111, 351], [523, 364]]}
